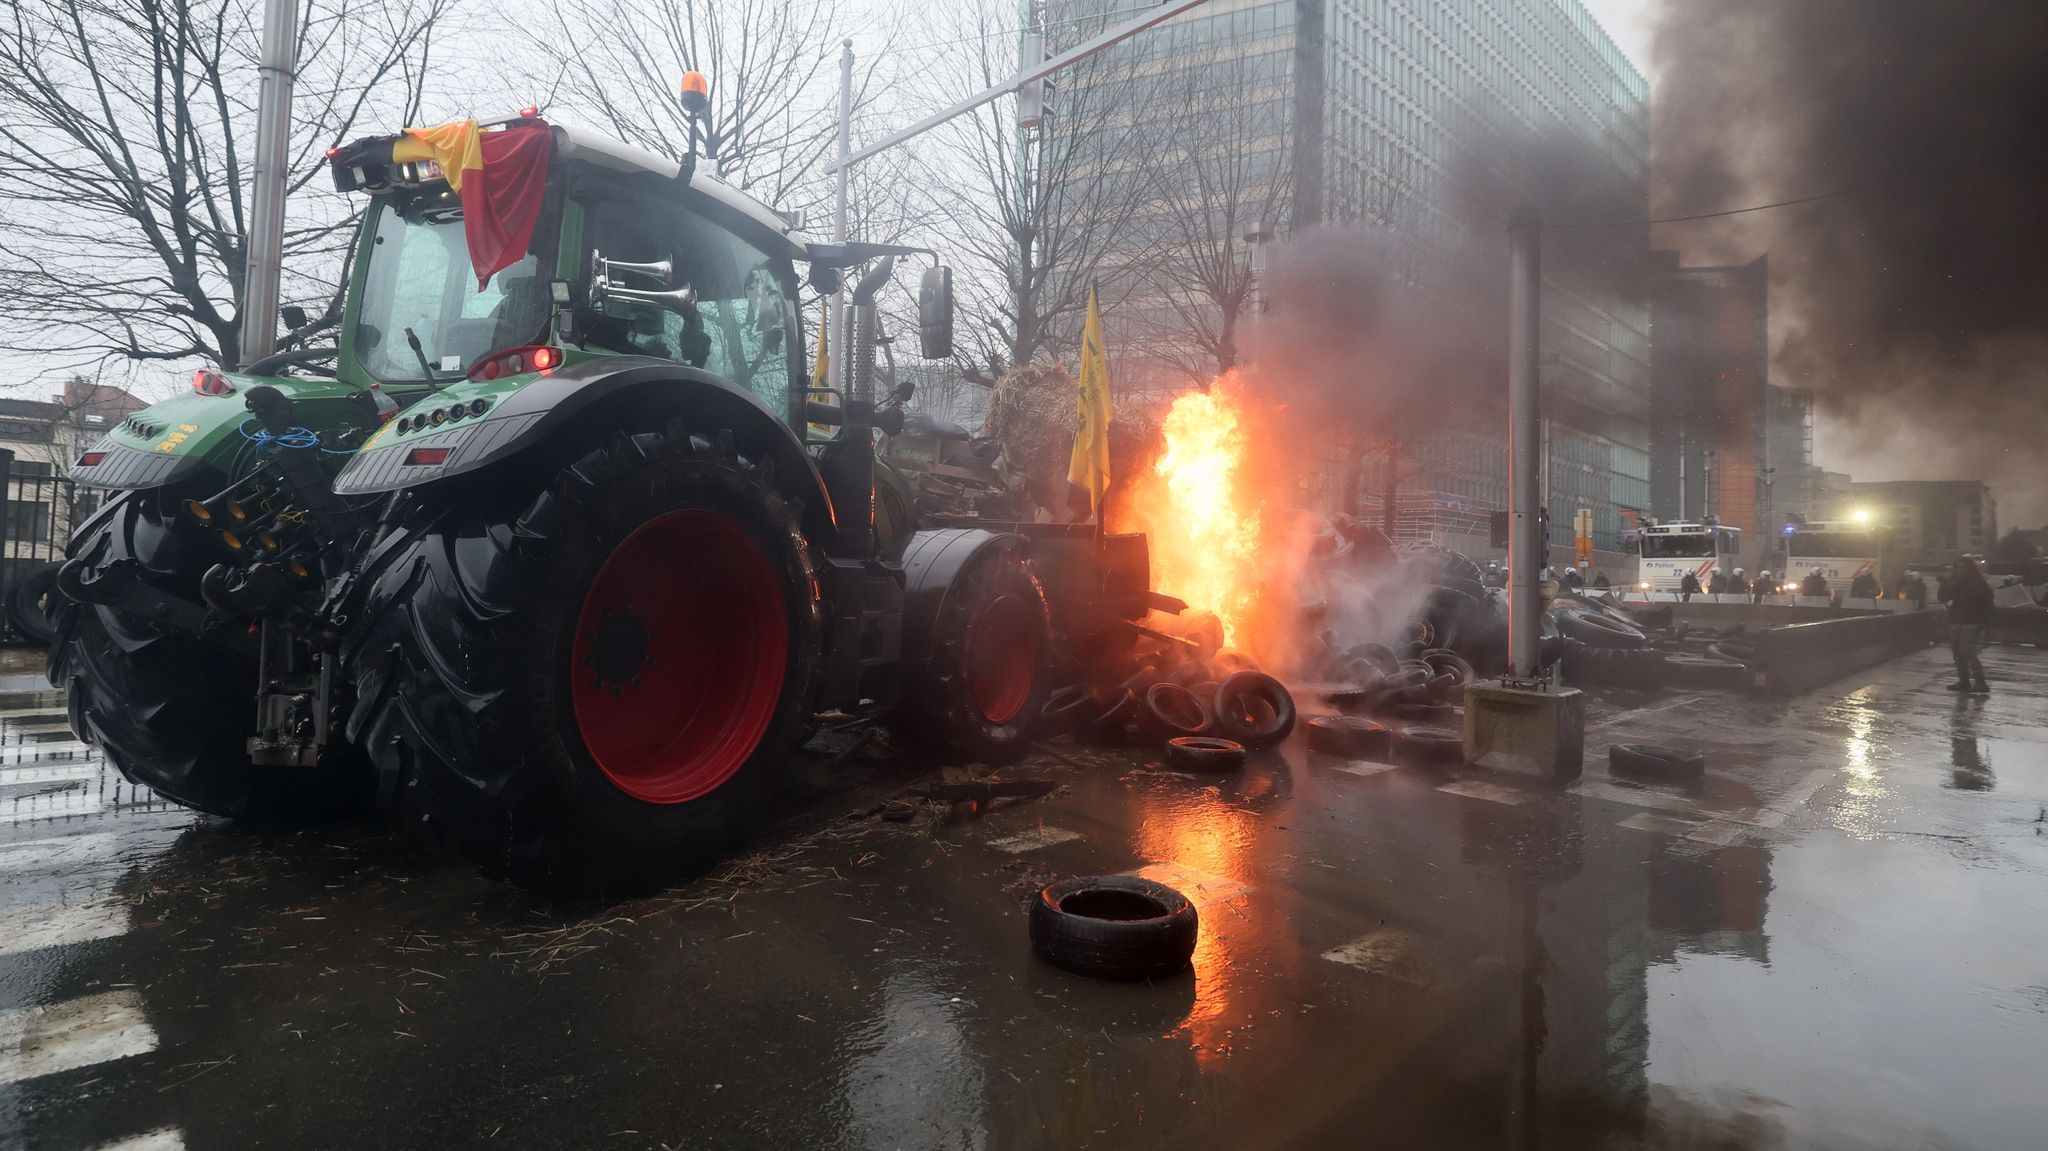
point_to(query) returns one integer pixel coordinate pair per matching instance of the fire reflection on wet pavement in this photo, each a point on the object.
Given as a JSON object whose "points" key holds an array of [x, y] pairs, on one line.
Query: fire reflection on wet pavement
{"points": [[1837, 940]]}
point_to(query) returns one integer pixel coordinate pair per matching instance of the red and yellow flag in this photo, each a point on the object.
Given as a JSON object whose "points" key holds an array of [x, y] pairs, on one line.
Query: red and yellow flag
{"points": [[499, 177]]}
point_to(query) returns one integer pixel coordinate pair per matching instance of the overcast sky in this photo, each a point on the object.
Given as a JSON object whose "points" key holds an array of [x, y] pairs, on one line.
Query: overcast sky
{"points": [[1628, 23]]}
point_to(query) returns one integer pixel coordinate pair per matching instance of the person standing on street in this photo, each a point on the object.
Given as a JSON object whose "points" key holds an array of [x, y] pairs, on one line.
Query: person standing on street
{"points": [[1969, 612]]}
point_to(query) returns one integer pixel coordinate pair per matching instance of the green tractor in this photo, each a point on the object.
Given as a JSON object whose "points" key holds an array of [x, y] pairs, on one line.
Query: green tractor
{"points": [[559, 570]]}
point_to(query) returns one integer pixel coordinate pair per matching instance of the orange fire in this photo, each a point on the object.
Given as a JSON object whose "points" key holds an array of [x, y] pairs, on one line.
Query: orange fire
{"points": [[1200, 506]]}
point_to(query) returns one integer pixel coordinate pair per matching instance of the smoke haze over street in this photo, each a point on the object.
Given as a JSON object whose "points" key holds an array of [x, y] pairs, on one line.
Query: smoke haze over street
{"points": [[1914, 300]]}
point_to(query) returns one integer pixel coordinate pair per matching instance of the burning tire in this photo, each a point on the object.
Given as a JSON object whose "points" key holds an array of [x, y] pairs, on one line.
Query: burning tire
{"points": [[170, 710], [1172, 710], [1254, 709], [1068, 708], [594, 686], [976, 695]]}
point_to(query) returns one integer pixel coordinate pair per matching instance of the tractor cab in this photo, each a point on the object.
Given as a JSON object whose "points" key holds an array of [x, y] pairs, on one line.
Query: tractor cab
{"points": [[631, 253]]}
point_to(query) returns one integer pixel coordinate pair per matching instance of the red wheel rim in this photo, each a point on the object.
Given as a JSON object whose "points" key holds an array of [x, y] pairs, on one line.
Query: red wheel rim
{"points": [[679, 656], [1002, 657]]}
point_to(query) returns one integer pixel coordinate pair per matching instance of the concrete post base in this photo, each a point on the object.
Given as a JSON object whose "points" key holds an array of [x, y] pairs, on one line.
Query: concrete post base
{"points": [[1540, 735]]}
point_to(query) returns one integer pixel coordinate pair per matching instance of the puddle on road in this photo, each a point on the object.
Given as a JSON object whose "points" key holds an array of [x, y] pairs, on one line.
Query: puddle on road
{"points": [[1779, 958]]}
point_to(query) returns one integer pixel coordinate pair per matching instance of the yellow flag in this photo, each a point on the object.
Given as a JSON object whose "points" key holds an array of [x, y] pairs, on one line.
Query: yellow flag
{"points": [[1090, 464], [456, 146], [819, 373]]}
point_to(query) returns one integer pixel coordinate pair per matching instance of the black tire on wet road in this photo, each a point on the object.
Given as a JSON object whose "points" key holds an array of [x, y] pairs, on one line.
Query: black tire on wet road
{"points": [[1349, 735], [1204, 753], [1429, 743], [592, 685], [172, 711], [1114, 927]]}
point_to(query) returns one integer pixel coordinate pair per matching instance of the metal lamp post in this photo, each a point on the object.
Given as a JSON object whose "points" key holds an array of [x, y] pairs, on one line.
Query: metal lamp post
{"points": [[1525, 243], [263, 253]]}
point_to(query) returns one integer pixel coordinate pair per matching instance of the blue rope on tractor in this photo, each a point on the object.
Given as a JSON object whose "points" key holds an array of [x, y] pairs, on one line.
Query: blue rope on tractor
{"points": [[295, 438]]}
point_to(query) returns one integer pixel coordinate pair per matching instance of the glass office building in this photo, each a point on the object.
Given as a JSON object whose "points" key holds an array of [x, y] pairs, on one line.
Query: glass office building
{"points": [[1388, 104]]}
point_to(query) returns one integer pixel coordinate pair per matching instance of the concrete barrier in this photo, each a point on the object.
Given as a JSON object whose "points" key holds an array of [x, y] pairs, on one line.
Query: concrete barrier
{"points": [[2019, 625], [1770, 613], [1800, 657]]}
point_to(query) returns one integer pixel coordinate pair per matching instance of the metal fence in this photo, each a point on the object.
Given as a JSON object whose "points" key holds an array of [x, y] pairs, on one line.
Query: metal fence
{"points": [[48, 775], [42, 506]]}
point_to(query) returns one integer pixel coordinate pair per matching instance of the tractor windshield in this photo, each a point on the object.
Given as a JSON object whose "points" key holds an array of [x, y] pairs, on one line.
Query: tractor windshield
{"points": [[419, 277]]}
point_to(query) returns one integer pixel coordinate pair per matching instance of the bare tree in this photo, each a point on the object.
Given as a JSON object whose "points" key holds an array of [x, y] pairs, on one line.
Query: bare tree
{"points": [[1229, 119], [773, 67], [126, 128], [1039, 214]]}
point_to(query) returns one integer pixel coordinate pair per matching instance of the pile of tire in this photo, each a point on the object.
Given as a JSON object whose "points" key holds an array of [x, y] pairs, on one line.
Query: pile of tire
{"points": [[1426, 687], [1204, 713], [1603, 649]]}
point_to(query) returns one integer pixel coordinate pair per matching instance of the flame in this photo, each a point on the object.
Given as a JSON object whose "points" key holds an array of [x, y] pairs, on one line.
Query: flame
{"points": [[1197, 505]]}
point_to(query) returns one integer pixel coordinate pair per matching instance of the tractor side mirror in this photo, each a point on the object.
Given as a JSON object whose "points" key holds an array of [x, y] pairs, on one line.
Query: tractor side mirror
{"points": [[294, 316], [935, 313]]}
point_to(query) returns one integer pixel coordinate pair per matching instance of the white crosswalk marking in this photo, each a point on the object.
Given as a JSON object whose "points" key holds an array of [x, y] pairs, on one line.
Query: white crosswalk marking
{"points": [[37, 1041], [34, 926], [69, 851], [162, 1139], [62, 751], [52, 772], [67, 806], [1490, 792]]}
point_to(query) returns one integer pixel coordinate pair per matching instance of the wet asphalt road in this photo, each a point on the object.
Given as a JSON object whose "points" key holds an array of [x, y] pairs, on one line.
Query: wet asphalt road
{"points": [[1842, 941]]}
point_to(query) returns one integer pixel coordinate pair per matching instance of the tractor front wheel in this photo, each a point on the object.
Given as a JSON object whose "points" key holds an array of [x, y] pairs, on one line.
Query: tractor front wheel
{"points": [[592, 688]]}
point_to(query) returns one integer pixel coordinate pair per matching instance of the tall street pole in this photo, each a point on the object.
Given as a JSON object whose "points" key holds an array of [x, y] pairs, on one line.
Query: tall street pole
{"points": [[841, 342], [263, 256], [1525, 244]]}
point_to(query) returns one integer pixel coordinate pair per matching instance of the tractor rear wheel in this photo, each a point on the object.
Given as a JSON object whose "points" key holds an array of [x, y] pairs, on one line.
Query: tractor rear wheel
{"points": [[592, 687], [172, 711], [978, 694]]}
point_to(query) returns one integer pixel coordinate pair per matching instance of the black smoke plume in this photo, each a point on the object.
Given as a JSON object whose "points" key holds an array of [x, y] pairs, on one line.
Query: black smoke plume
{"points": [[1914, 302]]}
